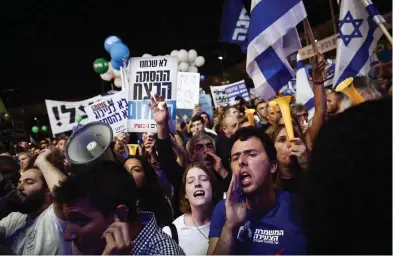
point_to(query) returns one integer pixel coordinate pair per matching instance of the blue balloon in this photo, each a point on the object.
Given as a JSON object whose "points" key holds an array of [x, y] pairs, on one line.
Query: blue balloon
{"points": [[288, 92], [203, 78], [110, 41], [119, 52], [116, 64]]}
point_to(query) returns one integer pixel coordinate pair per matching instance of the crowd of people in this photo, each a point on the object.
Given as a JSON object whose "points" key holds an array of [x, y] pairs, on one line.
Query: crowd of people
{"points": [[226, 184]]}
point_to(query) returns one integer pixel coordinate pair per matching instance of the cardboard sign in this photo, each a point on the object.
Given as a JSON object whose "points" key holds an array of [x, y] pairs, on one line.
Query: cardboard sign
{"points": [[149, 76], [187, 90]]}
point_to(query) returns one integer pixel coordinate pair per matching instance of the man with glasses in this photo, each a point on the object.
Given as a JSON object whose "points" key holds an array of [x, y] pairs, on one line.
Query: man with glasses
{"points": [[300, 112]]}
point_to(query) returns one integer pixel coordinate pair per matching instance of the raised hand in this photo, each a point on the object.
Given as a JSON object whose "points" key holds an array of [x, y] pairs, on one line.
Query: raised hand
{"points": [[117, 237], [159, 110], [298, 148], [196, 110], [318, 69], [235, 203], [217, 165]]}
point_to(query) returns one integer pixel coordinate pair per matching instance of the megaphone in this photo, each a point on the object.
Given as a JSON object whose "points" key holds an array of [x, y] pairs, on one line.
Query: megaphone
{"points": [[133, 149], [89, 144], [283, 103], [349, 89]]}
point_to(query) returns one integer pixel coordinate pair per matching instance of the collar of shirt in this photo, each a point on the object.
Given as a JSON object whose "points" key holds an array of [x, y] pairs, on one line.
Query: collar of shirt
{"points": [[149, 224]]}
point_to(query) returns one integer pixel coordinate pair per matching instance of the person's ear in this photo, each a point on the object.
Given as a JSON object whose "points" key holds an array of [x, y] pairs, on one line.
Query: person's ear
{"points": [[273, 167]]}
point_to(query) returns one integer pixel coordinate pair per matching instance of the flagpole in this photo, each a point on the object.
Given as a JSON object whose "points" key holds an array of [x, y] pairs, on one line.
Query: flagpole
{"points": [[309, 33], [385, 31], [333, 16]]}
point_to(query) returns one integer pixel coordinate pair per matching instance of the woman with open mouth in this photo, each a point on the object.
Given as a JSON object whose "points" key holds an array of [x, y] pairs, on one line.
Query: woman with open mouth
{"points": [[198, 196]]}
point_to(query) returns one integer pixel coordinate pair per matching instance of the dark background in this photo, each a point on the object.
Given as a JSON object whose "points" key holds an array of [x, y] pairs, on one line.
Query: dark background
{"points": [[48, 46]]}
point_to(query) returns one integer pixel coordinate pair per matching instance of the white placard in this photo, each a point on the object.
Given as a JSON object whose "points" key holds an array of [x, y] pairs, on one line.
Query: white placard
{"points": [[62, 114], [112, 110], [187, 90], [149, 76], [219, 96]]}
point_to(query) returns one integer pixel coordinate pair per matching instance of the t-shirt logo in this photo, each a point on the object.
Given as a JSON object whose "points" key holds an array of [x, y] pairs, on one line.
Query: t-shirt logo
{"points": [[244, 232], [267, 236], [30, 241]]}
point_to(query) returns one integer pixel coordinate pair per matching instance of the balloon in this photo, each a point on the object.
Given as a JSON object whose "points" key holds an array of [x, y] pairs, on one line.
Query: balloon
{"points": [[183, 66], [193, 69], [192, 55], [100, 65], [44, 128], [175, 53], [106, 76], [116, 65], [147, 55], [78, 118], [110, 41], [117, 82], [199, 61], [203, 78], [35, 129], [116, 73], [288, 92], [119, 52], [183, 55]]}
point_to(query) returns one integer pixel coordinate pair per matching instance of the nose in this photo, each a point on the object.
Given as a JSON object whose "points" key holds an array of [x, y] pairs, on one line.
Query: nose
{"points": [[242, 160], [70, 232], [197, 183]]}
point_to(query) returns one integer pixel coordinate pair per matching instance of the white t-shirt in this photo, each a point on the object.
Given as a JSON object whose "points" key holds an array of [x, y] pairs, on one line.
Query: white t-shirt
{"points": [[43, 235], [190, 239]]}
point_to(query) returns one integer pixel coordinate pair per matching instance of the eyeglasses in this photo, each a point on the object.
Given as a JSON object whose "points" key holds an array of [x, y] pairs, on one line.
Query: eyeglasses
{"points": [[201, 147]]}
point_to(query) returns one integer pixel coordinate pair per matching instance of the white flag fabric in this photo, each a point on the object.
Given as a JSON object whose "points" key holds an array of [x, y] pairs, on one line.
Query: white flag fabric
{"points": [[272, 36], [358, 35], [304, 93]]}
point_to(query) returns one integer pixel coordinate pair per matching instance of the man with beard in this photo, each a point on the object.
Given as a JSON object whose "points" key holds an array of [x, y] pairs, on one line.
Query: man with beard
{"points": [[38, 226], [255, 218]]}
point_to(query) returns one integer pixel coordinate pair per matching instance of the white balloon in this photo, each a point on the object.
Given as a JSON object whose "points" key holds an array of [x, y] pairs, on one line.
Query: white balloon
{"points": [[117, 82], [106, 76], [146, 55], [184, 66], [174, 53], [116, 73], [192, 55], [183, 55], [199, 61], [193, 69]]}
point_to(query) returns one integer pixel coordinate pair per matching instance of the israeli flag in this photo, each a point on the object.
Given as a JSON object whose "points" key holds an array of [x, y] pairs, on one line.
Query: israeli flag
{"points": [[358, 36], [304, 93], [272, 36]]}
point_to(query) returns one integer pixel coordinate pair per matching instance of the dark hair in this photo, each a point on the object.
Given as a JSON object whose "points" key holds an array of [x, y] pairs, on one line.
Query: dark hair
{"points": [[348, 192], [107, 185], [197, 118], [208, 117], [227, 108], [216, 188], [245, 133], [152, 196], [183, 125], [9, 169]]}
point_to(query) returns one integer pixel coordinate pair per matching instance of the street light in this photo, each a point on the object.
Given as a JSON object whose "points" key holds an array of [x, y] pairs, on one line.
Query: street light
{"points": [[220, 57], [222, 67]]}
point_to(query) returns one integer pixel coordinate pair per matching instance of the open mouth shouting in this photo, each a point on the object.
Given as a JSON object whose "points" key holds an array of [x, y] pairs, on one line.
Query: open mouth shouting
{"points": [[245, 178], [199, 193]]}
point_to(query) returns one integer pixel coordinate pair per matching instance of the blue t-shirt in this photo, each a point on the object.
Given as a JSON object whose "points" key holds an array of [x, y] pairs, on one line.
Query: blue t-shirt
{"points": [[277, 232]]}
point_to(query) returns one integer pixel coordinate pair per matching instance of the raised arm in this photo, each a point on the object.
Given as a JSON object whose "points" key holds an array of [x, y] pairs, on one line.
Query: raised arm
{"points": [[320, 104], [52, 175]]}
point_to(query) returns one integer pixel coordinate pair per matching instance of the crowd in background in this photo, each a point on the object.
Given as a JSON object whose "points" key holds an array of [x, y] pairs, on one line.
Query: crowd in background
{"points": [[225, 184]]}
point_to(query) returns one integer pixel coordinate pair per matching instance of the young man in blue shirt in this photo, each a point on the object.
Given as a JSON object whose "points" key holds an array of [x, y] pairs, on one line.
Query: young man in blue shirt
{"points": [[255, 218]]}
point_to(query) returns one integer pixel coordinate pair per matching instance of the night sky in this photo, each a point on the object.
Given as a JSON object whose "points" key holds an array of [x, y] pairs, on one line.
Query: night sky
{"points": [[48, 46]]}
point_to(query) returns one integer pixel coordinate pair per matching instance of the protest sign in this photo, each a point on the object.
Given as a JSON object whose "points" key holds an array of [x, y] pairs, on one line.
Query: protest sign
{"points": [[187, 90], [113, 110], [205, 104], [149, 76], [236, 89], [219, 96], [62, 113]]}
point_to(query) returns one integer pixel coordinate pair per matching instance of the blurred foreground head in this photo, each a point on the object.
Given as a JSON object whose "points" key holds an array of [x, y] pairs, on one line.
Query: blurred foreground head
{"points": [[348, 192]]}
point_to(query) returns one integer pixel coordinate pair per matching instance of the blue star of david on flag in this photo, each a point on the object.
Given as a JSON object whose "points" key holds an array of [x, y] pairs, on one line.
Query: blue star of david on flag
{"points": [[356, 23]]}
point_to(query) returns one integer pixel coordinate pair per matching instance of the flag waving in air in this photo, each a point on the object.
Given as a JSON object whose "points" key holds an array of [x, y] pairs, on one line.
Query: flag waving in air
{"points": [[304, 93], [272, 36], [358, 35]]}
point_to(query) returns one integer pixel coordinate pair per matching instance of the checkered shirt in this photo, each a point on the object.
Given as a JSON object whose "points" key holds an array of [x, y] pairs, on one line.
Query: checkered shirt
{"points": [[152, 240]]}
